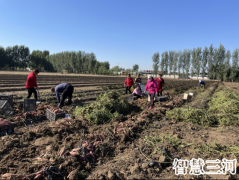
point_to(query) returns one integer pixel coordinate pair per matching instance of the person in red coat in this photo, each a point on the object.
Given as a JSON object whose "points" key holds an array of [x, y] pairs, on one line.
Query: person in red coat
{"points": [[129, 82], [160, 83], [32, 83]]}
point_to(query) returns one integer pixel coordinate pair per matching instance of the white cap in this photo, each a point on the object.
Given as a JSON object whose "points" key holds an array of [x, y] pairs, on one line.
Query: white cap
{"points": [[149, 76], [199, 80]]}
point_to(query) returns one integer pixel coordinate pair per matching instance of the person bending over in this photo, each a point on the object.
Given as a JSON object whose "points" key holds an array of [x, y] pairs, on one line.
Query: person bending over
{"points": [[137, 92], [66, 90], [202, 83]]}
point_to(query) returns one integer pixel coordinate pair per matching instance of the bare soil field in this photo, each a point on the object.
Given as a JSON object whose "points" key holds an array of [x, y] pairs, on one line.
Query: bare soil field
{"points": [[139, 144]]}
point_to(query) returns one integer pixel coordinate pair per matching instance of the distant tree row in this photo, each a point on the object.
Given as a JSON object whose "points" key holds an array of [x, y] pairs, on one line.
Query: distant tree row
{"points": [[19, 58], [216, 63]]}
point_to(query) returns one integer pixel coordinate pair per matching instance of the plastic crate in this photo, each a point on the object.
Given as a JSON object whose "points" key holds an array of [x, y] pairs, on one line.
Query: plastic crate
{"points": [[29, 105], [8, 97], [131, 98], [161, 98], [6, 127], [53, 116], [6, 108]]}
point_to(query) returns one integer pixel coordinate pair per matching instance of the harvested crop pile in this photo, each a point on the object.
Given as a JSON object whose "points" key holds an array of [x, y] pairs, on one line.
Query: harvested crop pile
{"points": [[104, 109], [56, 110]]}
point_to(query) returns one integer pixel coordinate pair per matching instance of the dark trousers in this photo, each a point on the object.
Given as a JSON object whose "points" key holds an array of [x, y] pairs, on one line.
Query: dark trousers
{"points": [[128, 89], [152, 99], [30, 91], [67, 93], [160, 93], [138, 96]]}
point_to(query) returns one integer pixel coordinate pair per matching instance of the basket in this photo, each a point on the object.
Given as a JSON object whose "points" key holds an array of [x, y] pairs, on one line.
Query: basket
{"points": [[8, 97], [29, 105], [53, 116], [6, 127], [6, 108], [131, 98], [161, 98]]}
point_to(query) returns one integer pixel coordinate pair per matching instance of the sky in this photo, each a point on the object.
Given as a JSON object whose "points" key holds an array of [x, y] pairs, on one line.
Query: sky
{"points": [[122, 32]]}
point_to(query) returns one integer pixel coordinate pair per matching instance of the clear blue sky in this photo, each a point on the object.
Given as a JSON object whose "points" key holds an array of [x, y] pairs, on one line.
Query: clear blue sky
{"points": [[127, 32]]}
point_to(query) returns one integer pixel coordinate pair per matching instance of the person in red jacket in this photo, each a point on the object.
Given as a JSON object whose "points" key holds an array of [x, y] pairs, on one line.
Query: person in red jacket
{"points": [[129, 82], [32, 83], [160, 83]]}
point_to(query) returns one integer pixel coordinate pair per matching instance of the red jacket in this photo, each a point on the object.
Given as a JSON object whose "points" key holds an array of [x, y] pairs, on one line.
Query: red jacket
{"points": [[160, 83], [31, 81], [129, 82]]}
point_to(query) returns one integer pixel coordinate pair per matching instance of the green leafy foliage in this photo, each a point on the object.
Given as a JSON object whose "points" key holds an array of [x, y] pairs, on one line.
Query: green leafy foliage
{"points": [[106, 107]]}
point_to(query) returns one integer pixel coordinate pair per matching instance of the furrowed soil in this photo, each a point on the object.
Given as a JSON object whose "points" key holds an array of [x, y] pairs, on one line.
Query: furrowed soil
{"points": [[141, 144]]}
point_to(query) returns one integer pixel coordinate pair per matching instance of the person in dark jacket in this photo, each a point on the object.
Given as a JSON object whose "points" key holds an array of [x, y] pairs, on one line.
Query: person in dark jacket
{"points": [[160, 83], [129, 82], [32, 83], [201, 83], [66, 90]]}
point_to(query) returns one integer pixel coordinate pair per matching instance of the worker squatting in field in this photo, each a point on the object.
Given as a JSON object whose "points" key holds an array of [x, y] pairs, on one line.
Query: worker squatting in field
{"points": [[66, 90]]}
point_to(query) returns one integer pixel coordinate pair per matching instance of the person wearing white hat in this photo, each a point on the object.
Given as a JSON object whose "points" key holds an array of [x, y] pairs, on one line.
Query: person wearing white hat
{"points": [[153, 89], [202, 83]]}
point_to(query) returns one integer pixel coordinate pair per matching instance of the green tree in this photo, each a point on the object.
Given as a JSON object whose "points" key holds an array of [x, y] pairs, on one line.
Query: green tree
{"points": [[180, 62], [234, 66], [166, 61], [175, 61], [221, 61], [136, 68], [198, 60], [162, 63], [155, 59], [211, 62], [227, 68], [170, 61], [204, 61], [193, 62], [187, 61]]}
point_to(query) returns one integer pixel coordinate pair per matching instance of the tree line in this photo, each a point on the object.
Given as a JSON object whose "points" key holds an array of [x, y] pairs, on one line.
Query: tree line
{"points": [[19, 58], [215, 63]]}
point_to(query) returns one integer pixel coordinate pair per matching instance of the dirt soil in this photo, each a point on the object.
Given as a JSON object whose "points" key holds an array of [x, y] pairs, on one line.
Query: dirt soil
{"points": [[126, 148]]}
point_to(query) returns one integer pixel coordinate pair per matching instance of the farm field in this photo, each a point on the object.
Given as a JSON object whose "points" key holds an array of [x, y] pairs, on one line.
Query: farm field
{"points": [[138, 144]]}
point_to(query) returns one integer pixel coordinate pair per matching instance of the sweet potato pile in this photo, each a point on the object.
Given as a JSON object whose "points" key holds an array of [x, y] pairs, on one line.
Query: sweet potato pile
{"points": [[56, 110]]}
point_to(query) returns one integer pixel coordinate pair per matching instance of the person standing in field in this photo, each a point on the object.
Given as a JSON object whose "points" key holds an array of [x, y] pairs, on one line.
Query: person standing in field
{"points": [[153, 88], [202, 83], [66, 90], [160, 83], [138, 80], [32, 83], [129, 82]]}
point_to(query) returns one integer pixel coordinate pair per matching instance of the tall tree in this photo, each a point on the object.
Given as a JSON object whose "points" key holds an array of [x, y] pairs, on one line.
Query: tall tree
{"points": [[221, 60], [234, 67], [180, 63], [170, 61], [193, 62], [155, 59], [162, 64], [204, 61], [166, 61], [136, 68], [187, 61], [3, 61], [198, 60], [211, 62], [226, 73], [175, 61]]}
